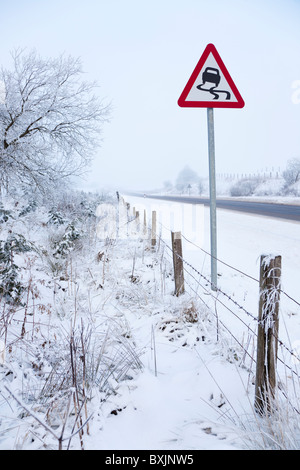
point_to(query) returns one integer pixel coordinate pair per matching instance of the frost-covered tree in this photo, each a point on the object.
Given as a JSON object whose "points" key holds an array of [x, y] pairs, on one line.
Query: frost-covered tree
{"points": [[186, 177], [50, 120], [292, 172]]}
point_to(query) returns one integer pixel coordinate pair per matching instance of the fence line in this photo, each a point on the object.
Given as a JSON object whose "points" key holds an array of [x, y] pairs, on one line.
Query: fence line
{"points": [[246, 352], [219, 290], [220, 261], [160, 240], [229, 265], [208, 307], [264, 386], [236, 269]]}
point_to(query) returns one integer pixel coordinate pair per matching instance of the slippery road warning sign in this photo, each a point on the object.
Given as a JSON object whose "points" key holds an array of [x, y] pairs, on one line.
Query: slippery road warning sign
{"points": [[210, 85]]}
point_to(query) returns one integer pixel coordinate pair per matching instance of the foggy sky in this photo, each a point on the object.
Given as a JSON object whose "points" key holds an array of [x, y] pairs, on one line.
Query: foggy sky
{"points": [[143, 53]]}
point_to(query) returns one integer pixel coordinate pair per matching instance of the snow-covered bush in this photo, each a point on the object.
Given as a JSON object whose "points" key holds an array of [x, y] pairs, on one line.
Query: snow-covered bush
{"points": [[5, 214], [31, 207], [245, 187], [63, 247], [11, 288], [269, 187], [55, 217]]}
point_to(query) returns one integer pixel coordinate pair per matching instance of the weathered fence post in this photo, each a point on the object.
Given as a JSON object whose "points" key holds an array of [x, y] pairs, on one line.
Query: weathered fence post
{"points": [[267, 334], [153, 229], [177, 262]]}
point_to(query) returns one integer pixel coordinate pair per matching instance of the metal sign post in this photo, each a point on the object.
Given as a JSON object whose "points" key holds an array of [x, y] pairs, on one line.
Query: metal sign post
{"points": [[212, 196], [210, 86]]}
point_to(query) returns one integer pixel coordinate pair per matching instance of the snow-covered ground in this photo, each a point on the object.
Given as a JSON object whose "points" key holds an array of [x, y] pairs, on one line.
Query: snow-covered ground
{"points": [[173, 375], [242, 239]]}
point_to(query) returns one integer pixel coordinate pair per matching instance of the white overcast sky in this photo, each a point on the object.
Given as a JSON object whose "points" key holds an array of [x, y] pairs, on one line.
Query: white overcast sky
{"points": [[143, 52]]}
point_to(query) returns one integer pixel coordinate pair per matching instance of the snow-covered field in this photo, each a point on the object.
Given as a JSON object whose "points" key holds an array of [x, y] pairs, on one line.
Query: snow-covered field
{"points": [[164, 372]]}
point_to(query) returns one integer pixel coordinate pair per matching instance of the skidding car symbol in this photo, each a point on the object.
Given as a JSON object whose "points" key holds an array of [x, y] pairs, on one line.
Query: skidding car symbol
{"points": [[212, 75]]}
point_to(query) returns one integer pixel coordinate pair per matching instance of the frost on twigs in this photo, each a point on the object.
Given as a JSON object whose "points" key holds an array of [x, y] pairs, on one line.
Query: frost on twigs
{"points": [[51, 121], [270, 289]]}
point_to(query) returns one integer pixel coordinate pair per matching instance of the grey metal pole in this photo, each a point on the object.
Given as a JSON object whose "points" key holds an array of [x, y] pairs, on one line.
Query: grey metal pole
{"points": [[212, 194]]}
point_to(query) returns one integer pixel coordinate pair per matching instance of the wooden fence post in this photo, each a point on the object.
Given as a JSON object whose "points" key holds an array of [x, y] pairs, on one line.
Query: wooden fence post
{"points": [[267, 334], [177, 262], [153, 229]]}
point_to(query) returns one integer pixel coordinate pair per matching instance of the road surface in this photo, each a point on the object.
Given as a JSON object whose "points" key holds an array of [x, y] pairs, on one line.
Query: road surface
{"points": [[268, 209]]}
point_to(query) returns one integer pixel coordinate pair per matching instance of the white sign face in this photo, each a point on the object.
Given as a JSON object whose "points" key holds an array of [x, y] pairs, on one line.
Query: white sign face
{"points": [[210, 85]]}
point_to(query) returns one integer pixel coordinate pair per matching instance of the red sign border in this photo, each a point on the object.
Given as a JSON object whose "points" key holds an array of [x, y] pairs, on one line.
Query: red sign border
{"points": [[210, 48]]}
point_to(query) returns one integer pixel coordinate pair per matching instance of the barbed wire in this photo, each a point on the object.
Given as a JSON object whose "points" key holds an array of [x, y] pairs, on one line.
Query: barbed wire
{"points": [[280, 342], [212, 256], [218, 319], [219, 260], [228, 297], [218, 289], [229, 265]]}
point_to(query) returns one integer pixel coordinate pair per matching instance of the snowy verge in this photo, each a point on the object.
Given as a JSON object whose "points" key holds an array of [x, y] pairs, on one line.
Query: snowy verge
{"points": [[102, 355]]}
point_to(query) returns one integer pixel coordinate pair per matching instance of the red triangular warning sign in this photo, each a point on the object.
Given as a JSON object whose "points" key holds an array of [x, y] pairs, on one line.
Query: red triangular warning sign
{"points": [[210, 85]]}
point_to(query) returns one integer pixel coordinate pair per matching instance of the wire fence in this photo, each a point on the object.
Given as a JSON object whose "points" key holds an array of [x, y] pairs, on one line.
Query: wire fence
{"points": [[232, 315], [195, 279]]}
